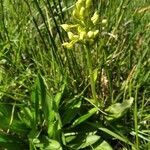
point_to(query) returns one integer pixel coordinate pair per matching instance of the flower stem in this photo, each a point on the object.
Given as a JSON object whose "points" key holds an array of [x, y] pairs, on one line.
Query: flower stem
{"points": [[89, 64]]}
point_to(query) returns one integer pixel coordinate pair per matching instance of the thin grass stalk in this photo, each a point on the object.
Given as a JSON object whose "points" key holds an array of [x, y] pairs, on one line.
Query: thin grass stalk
{"points": [[136, 118], [54, 47], [71, 60], [57, 10], [36, 25], [55, 21], [3, 22], [119, 16], [61, 11]]}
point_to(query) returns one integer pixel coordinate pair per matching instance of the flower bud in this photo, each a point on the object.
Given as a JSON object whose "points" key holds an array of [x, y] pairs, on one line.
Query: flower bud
{"points": [[82, 11], [104, 21], [80, 29], [70, 35], [90, 34], [96, 33], [74, 13], [68, 45], [95, 18], [82, 35], [65, 27]]}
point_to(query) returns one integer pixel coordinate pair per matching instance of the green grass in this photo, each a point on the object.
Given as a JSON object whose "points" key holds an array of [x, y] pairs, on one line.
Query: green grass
{"points": [[90, 97]]}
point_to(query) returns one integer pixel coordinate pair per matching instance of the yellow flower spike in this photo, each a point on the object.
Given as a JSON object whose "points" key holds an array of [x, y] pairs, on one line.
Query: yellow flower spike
{"points": [[88, 3], [95, 18], [90, 34], [80, 32]]}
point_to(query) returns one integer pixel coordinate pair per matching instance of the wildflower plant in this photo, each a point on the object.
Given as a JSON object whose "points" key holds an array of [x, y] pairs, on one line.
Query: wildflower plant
{"points": [[84, 30]]}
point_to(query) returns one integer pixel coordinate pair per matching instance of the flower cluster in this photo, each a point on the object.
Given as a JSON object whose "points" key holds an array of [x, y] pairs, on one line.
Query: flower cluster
{"points": [[84, 28]]}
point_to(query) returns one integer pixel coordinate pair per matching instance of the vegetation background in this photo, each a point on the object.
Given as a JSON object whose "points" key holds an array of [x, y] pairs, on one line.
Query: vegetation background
{"points": [[46, 101]]}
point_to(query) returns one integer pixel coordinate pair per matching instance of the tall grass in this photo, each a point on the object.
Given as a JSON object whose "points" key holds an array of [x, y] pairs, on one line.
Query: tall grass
{"points": [[54, 98]]}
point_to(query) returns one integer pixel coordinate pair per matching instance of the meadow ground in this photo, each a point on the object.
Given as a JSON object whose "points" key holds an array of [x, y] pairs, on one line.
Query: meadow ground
{"points": [[75, 75]]}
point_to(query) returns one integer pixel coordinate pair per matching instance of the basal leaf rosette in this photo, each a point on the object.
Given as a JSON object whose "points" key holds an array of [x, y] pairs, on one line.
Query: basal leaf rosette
{"points": [[85, 24]]}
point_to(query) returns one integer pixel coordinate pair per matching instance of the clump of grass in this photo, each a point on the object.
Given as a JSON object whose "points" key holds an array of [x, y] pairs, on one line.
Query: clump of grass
{"points": [[94, 95]]}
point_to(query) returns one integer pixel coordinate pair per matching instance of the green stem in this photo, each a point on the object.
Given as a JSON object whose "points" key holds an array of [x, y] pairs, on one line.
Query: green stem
{"points": [[136, 118], [89, 64]]}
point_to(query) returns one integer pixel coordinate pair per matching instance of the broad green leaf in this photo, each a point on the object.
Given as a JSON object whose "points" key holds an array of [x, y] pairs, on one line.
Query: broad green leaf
{"points": [[59, 95], [11, 142], [47, 106], [112, 133], [35, 99], [117, 110], [71, 137], [50, 110], [85, 117], [53, 145], [103, 146], [16, 126], [33, 134], [71, 111], [82, 140], [89, 140]]}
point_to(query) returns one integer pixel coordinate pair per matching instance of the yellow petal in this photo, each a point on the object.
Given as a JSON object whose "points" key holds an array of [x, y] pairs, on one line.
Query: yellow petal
{"points": [[65, 27], [70, 35]]}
